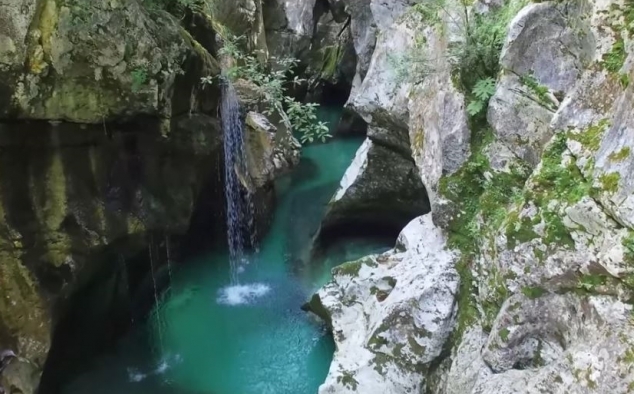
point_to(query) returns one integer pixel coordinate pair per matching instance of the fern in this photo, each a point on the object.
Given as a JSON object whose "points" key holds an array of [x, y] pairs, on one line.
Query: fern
{"points": [[482, 92], [475, 107], [484, 89]]}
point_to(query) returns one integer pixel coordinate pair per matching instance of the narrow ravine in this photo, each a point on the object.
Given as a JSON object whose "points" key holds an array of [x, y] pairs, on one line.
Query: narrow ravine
{"points": [[209, 335]]}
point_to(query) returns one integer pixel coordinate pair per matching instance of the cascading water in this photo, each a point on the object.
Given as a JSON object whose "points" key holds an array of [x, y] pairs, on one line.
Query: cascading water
{"points": [[239, 205]]}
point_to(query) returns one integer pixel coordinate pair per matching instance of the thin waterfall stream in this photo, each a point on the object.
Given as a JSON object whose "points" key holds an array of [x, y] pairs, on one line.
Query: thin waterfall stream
{"points": [[238, 202]]}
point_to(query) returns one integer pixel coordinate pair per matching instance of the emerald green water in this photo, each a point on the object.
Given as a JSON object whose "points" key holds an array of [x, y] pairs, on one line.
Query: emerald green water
{"points": [[205, 337]]}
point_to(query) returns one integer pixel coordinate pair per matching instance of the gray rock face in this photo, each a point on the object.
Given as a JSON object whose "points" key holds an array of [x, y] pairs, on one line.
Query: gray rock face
{"points": [[379, 187], [289, 26], [268, 155], [547, 46], [69, 193], [551, 280], [368, 19], [75, 71], [391, 314], [438, 131], [382, 97], [554, 344]]}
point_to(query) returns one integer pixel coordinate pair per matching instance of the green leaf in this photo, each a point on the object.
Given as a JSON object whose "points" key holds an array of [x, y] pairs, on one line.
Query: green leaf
{"points": [[484, 89], [475, 107]]}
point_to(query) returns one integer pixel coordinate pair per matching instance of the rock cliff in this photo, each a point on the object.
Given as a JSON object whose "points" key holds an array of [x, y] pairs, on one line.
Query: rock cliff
{"points": [[517, 117]]}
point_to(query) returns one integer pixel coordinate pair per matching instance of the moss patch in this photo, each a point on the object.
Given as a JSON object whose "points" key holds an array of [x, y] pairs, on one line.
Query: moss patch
{"points": [[610, 181], [620, 155], [591, 137]]}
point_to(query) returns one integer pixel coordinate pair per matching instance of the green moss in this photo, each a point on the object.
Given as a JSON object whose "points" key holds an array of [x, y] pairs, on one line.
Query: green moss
{"points": [[348, 380], [620, 155], [556, 231], [533, 292], [331, 57], [481, 197], [556, 181], [591, 137], [613, 61], [519, 230], [628, 246], [504, 334], [352, 268], [491, 305], [610, 181]]}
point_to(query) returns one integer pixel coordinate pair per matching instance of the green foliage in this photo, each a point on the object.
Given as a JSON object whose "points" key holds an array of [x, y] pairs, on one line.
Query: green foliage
{"points": [[482, 92], [413, 65], [139, 78], [533, 292], [610, 182], [481, 199], [476, 59], [541, 92], [628, 245], [300, 118], [613, 61]]}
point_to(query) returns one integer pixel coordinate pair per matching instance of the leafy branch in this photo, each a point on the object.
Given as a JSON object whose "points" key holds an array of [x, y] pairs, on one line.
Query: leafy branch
{"points": [[270, 84]]}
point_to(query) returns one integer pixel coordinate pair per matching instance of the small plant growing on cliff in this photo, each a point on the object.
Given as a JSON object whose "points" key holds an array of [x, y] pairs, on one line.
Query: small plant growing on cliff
{"points": [[482, 92], [139, 78], [271, 83]]}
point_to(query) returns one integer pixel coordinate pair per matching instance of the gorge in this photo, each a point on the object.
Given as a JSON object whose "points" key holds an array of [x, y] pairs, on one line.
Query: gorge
{"points": [[176, 217]]}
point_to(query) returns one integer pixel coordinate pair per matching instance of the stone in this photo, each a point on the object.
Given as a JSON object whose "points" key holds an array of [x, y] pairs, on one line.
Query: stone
{"points": [[381, 187], [99, 191], [19, 376], [268, 155], [559, 342], [382, 98], [540, 61], [391, 313], [439, 134]]}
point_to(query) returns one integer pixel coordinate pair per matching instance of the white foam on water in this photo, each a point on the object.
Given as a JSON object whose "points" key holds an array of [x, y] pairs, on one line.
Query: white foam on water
{"points": [[242, 294], [135, 376]]}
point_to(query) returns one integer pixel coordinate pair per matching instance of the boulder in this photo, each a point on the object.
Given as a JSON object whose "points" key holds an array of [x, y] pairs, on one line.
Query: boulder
{"points": [[558, 343], [380, 188], [268, 155], [547, 46], [289, 27], [390, 314], [367, 19]]}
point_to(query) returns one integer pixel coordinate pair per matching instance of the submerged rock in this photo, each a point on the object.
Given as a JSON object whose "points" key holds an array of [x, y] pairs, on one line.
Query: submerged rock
{"points": [[390, 314]]}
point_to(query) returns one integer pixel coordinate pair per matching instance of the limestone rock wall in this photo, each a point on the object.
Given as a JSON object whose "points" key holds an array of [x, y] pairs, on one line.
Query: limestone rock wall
{"points": [[534, 201]]}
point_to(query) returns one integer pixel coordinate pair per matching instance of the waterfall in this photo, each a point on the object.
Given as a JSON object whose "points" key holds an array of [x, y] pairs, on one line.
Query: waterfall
{"points": [[157, 307], [239, 205]]}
